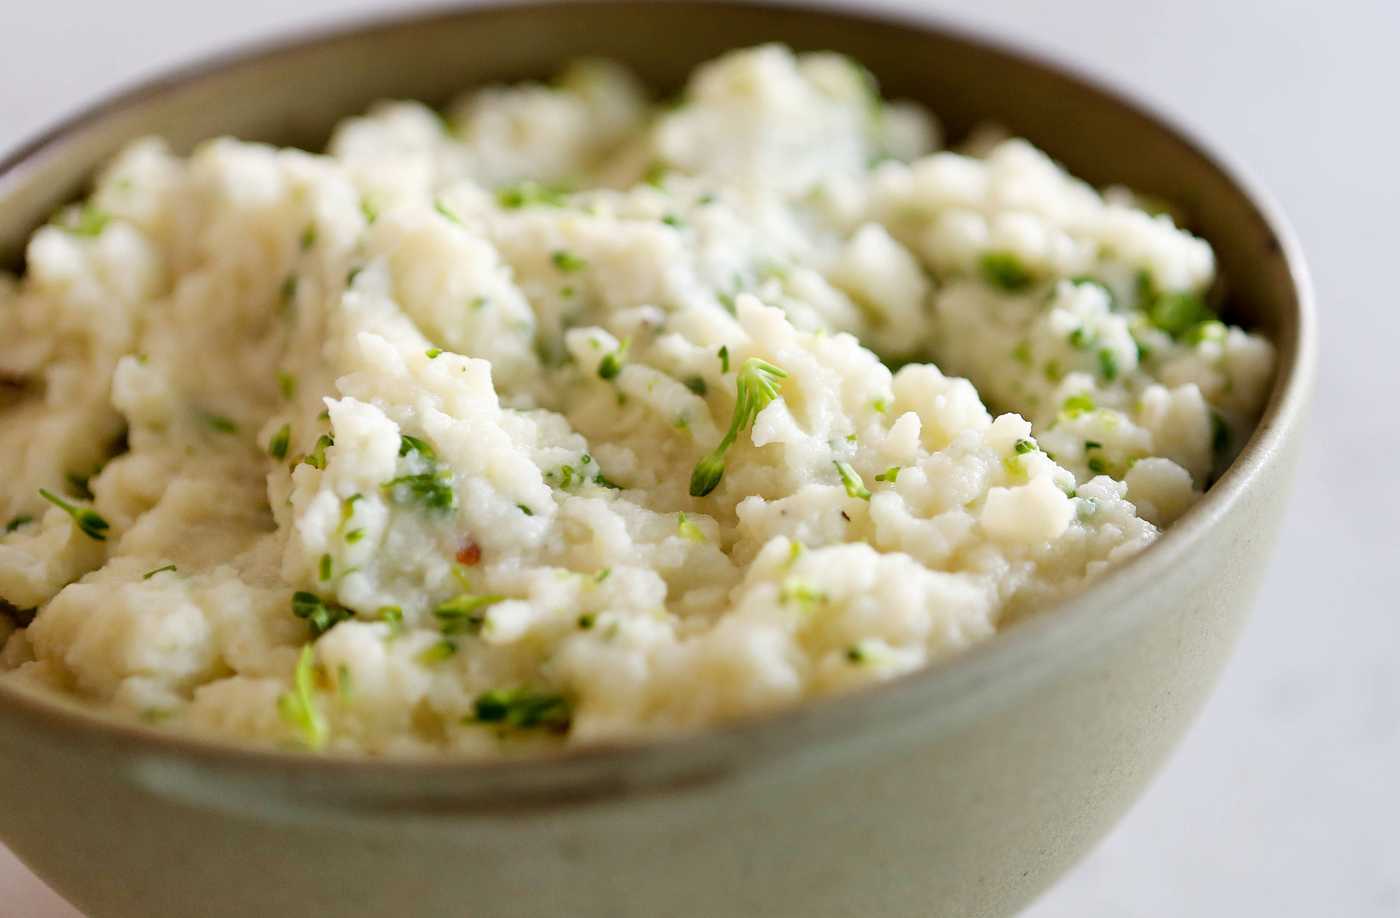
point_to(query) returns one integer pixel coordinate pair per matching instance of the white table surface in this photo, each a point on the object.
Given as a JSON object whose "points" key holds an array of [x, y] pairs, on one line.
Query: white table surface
{"points": [[1277, 802]]}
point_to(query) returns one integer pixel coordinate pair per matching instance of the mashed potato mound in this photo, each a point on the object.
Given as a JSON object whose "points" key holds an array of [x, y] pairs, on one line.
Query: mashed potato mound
{"points": [[561, 415]]}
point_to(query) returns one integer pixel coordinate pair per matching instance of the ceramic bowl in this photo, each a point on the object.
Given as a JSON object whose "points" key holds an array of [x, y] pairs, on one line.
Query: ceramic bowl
{"points": [[960, 790]]}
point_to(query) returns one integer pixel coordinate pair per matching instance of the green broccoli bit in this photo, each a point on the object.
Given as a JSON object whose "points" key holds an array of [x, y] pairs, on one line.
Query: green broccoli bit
{"points": [[758, 384], [1177, 313], [320, 615], [297, 708], [567, 261], [523, 709], [531, 194], [1005, 271], [465, 613], [85, 518], [850, 478]]}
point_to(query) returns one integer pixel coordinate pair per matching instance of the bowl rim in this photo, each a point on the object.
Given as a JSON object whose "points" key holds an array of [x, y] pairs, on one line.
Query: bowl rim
{"points": [[589, 773]]}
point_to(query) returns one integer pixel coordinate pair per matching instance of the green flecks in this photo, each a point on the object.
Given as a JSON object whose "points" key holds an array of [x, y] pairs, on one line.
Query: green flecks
{"points": [[1015, 469], [319, 614], [431, 489], [1024, 446], [688, 530], [1108, 364], [353, 536], [566, 476], [759, 383], [408, 444], [347, 507], [856, 654], [442, 650], [317, 458], [889, 475], [308, 237], [602, 575], [524, 509], [85, 518], [219, 423], [298, 709], [1077, 404], [1053, 371], [159, 570], [567, 261], [795, 590], [850, 479], [697, 385], [391, 616], [880, 405], [369, 210], [1021, 353], [611, 364], [724, 359], [479, 303], [441, 207], [287, 293], [523, 709], [1098, 465], [1005, 271], [326, 568], [1208, 330], [531, 194], [24, 519], [433, 353], [286, 384], [465, 613], [279, 442], [586, 621], [1081, 338], [673, 221], [655, 174], [1092, 444], [1177, 313], [88, 221]]}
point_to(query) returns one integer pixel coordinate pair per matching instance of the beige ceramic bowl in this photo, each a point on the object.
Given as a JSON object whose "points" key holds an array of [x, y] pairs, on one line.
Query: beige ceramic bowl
{"points": [[962, 790]]}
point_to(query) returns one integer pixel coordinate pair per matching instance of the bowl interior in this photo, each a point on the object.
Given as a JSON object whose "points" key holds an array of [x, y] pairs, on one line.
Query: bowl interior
{"points": [[293, 93]]}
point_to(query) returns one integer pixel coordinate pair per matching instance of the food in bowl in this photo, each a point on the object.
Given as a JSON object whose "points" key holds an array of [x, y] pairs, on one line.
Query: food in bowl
{"points": [[562, 415]]}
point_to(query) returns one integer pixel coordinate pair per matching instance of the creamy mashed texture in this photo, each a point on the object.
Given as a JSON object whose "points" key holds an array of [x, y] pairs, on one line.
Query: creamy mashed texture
{"points": [[562, 415]]}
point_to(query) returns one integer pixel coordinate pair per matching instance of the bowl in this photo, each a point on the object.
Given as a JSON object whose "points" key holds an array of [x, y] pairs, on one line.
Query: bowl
{"points": [[963, 789]]}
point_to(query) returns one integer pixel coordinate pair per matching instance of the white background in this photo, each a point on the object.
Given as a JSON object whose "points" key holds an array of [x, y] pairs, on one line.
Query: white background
{"points": [[1284, 800]]}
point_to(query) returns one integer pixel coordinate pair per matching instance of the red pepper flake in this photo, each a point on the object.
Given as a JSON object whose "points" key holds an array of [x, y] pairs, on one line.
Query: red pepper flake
{"points": [[469, 554]]}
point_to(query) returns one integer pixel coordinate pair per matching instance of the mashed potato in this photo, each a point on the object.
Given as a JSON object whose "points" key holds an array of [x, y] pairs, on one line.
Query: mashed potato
{"points": [[560, 415]]}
